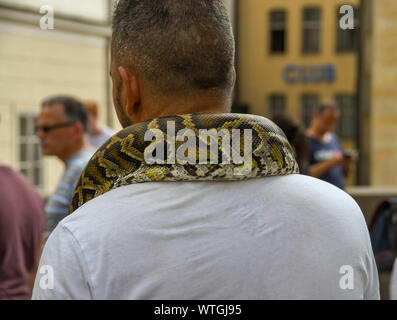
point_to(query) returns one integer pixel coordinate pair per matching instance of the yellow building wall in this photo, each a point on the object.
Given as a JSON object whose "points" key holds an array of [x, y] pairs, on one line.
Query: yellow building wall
{"points": [[384, 94], [37, 63], [261, 72]]}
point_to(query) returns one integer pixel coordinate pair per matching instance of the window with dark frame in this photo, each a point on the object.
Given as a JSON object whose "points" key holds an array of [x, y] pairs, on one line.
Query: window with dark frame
{"points": [[311, 30], [30, 155], [310, 103], [347, 40], [276, 104], [277, 31], [346, 127]]}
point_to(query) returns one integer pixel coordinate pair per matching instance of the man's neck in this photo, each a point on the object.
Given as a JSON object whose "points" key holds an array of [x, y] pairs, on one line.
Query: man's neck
{"points": [[312, 132], [96, 131], [67, 155], [185, 105]]}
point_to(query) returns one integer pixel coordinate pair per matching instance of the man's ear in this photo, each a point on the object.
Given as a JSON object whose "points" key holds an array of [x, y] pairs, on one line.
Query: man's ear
{"points": [[234, 76], [78, 129], [315, 116], [132, 94]]}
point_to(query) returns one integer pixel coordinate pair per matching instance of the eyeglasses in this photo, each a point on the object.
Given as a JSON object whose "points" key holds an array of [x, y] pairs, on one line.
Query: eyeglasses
{"points": [[47, 129]]}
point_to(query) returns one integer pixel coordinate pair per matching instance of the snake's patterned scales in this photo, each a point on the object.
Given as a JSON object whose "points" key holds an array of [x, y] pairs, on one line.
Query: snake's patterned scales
{"points": [[120, 161]]}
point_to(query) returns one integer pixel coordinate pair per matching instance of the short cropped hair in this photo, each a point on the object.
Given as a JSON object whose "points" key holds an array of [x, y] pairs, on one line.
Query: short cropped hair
{"points": [[176, 45], [327, 105], [74, 109]]}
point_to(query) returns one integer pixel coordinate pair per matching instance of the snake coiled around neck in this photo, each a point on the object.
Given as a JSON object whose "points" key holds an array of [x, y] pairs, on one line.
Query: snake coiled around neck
{"points": [[123, 159]]}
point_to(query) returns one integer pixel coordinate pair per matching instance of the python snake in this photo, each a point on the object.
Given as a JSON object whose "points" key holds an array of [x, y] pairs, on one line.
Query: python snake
{"points": [[121, 160]]}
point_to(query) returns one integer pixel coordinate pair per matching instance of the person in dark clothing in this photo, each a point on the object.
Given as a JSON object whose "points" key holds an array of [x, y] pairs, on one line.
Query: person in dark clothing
{"points": [[22, 225], [326, 154], [296, 136]]}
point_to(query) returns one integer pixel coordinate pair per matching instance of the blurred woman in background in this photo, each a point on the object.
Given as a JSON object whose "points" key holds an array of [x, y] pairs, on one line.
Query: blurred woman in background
{"points": [[296, 137]]}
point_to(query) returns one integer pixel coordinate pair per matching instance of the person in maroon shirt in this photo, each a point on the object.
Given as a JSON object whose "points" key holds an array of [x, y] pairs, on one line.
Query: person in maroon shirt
{"points": [[22, 224]]}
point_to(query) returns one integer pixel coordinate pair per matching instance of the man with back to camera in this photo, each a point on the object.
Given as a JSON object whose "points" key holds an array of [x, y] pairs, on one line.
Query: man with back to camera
{"points": [[327, 159], [61, 127], [273, 237]]}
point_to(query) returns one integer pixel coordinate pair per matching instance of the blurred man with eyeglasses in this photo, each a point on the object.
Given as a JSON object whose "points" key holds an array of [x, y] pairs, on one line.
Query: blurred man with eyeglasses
{"points": [[61, 127]]}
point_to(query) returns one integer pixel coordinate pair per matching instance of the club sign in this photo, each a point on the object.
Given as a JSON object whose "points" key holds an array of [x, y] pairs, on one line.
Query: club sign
{"points": [[309, 74]]}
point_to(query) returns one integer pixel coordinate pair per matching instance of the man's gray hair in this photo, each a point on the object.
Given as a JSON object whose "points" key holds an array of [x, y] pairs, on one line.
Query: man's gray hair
{"points": [[74, 109]]}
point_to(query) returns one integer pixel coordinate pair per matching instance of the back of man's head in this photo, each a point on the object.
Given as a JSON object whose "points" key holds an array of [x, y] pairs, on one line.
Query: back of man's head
{"points": [[75, 111], [175, 45]]}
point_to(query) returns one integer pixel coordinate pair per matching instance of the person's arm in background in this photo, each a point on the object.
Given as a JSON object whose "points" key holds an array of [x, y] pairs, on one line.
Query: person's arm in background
{"points": [[318, 169], [348, 161], [393, 282], [348, 158]]}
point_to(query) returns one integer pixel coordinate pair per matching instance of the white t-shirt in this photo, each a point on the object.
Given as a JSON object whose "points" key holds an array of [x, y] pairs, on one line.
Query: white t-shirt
{"points": [[288, 237], [100, 139]]}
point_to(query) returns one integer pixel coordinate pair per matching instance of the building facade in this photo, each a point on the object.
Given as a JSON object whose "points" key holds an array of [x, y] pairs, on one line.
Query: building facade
{"points": [[377, 93], [38, 62], [293, 54]]}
